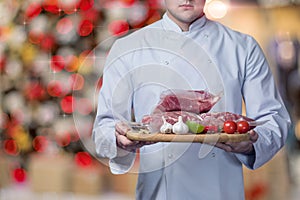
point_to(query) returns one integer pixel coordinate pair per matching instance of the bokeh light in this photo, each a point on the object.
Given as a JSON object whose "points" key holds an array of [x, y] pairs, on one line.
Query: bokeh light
{"points": [[51, 6], [64, 26], [72, 63], [217, 9], [34, 90], [85, 4], [84, 106], [33, 10], [85, 27], [19, 175], [40, 143], [57, 63], [63, 139], [55, 88], [118, 27], [76, 81], [67, 104], [83, 159], [11, 147]]}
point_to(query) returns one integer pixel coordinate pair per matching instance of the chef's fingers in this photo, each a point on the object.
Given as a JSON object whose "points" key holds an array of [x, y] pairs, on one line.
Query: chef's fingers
{"points": [[253, 136], [224, 146], [122, 128]]}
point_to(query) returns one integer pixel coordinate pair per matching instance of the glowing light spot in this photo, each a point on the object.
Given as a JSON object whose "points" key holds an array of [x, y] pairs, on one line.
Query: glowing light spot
{"points": [[35, 37], [64, 139], [68, 6], [84, 106], [34, 91], [85, 27], [47, 42], [55, 89], [11, 147], [118, 27], [64, 26], [83, 159], [67, 104], [40, 143], [51, 6], [19, 175], [33, 10], [72, 63], [76, 81], [85, 4], [217, 9], [57, 63]]}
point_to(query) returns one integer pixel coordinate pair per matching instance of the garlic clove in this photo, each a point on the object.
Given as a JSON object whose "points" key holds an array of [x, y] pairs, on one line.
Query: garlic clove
{"points": [[180, 127], [166, 127]]}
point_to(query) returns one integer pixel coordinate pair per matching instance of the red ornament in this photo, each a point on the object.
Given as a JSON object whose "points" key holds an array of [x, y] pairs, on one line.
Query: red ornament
{"points": [[34, 37], [40, 143], [57, 63], [118, 27], [85, 27], [85, 4], [91, 15], [51, 6], [19, 175], [55, 89], [67, 104], [35, 91], [64, 26], [11, 147], [33, 10], [83, 159], [48, 42]]}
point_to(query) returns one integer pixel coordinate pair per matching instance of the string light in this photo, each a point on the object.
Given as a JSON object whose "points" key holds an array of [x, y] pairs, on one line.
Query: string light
{"points": [[217, 9]]}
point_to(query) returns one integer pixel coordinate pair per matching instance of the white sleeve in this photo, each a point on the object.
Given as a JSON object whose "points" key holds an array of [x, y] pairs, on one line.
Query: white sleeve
{"points": [[263, 102], [114, 103]]}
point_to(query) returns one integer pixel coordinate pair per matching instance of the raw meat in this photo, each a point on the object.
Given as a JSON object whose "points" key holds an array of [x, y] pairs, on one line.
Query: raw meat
{"points": [[186, 100]]}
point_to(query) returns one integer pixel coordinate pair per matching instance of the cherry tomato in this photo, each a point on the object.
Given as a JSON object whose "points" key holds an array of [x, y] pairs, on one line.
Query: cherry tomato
{"points": [[243, 126], [229, 127]]}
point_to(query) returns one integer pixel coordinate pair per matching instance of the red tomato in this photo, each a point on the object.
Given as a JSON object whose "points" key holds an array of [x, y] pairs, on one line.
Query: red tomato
{"points": [[229, 127], [243, 126]]}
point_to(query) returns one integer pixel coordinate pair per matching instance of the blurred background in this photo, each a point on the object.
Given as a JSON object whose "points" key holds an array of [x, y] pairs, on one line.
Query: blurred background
{"points": [[51, 61]]}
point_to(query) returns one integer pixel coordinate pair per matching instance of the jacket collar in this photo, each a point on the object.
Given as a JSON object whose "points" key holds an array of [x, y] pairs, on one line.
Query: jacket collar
{"points": [[169, 24]]}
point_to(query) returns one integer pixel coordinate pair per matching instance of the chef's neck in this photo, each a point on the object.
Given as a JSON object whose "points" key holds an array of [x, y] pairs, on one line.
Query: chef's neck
{"points": [[184, 26]]}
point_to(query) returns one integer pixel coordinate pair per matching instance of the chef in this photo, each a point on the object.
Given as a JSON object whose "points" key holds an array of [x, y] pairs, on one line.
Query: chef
{"points": [[185, 50]]}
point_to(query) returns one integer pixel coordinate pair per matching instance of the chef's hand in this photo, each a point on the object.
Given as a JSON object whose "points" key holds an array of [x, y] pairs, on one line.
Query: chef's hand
{"points": [[245, 147], [123, 142]]}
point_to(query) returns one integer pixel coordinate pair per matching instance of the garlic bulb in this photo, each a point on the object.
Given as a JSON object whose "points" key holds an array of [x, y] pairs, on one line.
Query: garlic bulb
{"points": [[180, 127], [166, 127]]}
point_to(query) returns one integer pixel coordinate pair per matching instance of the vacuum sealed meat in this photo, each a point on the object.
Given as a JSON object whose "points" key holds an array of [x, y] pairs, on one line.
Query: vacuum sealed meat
{"points": [[194, 101]]}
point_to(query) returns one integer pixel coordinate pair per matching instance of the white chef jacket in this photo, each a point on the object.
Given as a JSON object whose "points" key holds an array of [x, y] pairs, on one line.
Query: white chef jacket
{"points": [[209, 56]]}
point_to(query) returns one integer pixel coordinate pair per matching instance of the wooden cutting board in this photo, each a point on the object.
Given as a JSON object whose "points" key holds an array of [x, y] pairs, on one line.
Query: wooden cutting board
{"points": [[200, 138]]}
